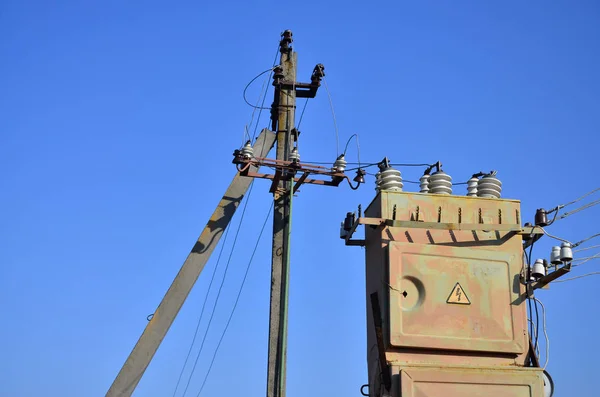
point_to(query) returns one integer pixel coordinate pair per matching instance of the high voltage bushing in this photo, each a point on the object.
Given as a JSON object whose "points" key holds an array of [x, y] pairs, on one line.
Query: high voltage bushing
{"points": [[472, 186], [424, 184], [489, 186], [247, 151], [388, 178], [340, 164], [440, 183]]}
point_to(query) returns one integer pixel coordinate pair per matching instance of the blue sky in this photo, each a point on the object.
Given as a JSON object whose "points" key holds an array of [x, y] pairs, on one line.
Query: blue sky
{"points": [[116, 131]]}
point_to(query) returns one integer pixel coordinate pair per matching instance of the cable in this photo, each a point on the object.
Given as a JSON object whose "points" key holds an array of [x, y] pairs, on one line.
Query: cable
{"points": [[586, 239], [357, 147], [537, 325], [302, 114], [248, 85], [237, 299], [587, 259], [262, 105], [337, 135], [237, 232], [202, 311], [580, 198], [583, 207], [587, 248], [554, 237], [576, 277], [545, 333]]}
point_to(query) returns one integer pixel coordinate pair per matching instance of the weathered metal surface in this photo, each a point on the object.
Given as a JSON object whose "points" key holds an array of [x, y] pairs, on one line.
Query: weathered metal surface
{"points": [[468, 382], [419, 247], [423, 278], [156, 329]]}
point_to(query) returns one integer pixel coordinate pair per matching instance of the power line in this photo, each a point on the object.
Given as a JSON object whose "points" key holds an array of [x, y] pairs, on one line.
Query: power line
{"points": [[202, 311], [237, 299], [237, 232], [577, 277], [580, 198], [583, 207], [337, 135], [586, 239], [587, 248], [587, 259]]}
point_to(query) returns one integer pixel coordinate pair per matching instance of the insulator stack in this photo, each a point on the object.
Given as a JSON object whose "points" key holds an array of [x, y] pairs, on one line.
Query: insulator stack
{"points": [[340, 164], [566, 253], [389, 179], [555, 255], [440, 183], [489, 186], [377, 181], [472, 187], [424, 183], [538, 269], [294, 156], [247, 151]]}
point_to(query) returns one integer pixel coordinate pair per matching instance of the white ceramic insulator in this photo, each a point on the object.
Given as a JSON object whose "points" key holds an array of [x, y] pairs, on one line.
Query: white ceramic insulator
{"points": [[440, 183]]}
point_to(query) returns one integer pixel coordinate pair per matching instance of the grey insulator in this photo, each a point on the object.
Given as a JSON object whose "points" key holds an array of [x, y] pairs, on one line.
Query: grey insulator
{"points": [[489, 186], [340, 164], [566, 253], [555, 255], [424, 183], [294, 156], [472, 187], [389, 179], [247, 151], [440, 183], [538, 269], [377, 181]]}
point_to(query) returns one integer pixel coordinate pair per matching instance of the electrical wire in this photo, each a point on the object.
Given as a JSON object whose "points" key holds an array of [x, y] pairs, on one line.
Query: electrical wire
{"points": [[248, 85], [545, 332], [554, 237], [577, 277], [237, 232], [586, 239], [337, 134], [583, 207], [587, 248], [580, 198], [586, 259], [202, 311], [237, 299], [357, 147], [302, 114], [262, 105]]}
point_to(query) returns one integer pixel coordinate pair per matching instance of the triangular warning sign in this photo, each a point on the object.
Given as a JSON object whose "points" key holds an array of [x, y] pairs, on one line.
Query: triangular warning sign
{"points": [[458, 296]]}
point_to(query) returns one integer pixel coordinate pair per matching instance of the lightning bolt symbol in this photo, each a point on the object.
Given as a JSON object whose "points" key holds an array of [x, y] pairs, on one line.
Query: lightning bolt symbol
{"points": [[458, 292]]}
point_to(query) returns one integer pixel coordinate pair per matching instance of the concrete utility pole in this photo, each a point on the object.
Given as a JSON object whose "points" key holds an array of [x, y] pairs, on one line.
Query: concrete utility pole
{"points": [[283, 113], [159, 323]]}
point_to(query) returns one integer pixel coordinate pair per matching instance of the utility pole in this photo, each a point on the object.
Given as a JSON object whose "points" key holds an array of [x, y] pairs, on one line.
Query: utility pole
{"points": [[282, 115]]}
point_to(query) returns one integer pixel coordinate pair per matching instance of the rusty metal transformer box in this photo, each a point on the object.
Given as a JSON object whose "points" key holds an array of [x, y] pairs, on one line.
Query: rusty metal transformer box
{"points": [[446, 272]]}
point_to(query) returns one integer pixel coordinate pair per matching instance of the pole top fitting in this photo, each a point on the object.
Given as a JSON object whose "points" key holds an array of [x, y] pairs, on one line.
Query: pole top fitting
{"points": [[286, 41]]}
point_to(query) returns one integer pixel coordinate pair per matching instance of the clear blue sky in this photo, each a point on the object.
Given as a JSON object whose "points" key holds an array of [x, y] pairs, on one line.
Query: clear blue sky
{"points": [[117, 124]]}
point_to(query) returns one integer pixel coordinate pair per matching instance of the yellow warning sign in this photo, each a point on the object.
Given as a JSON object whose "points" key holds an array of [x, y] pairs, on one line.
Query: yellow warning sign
{"points": [[458, 296]]}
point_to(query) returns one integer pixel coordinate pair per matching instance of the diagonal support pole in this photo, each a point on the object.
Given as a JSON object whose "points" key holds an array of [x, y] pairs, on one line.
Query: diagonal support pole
{"points": [[139, 359]]}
